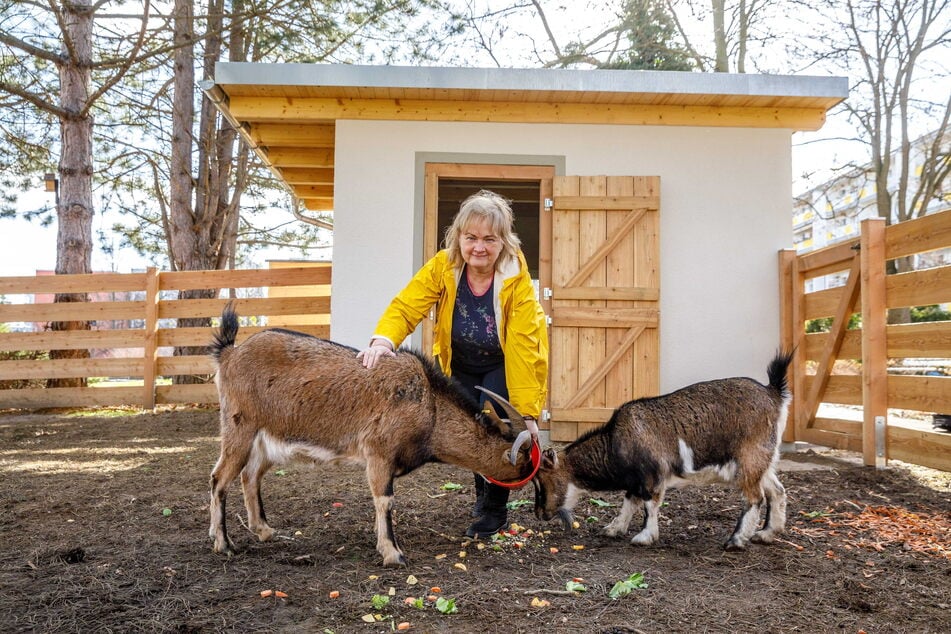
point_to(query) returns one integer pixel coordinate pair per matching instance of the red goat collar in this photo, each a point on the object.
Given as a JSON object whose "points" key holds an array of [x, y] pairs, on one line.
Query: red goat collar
{"points": [[536, 454]]}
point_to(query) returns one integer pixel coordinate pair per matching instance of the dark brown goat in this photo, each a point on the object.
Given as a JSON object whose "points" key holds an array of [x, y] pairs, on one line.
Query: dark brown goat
{"points": [[287, 395], [726, 430]]}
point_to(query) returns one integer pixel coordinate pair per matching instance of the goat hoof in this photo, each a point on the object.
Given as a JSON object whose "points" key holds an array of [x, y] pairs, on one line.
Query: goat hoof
{"points": [[396, 562], [734, 546], [264, 534], [762, 538], [643, 539]]}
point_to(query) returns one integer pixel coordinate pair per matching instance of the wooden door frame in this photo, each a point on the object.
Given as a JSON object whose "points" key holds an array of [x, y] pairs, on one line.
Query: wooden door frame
{"points": [[543, 174]]}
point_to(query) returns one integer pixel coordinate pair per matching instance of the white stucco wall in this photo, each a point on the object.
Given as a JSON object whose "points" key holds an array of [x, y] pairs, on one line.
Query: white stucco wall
{"points": [[725, 212]]}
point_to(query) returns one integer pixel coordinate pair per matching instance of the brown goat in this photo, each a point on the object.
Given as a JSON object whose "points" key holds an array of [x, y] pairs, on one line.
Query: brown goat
{"points": [[726, 430], [287, 395]]}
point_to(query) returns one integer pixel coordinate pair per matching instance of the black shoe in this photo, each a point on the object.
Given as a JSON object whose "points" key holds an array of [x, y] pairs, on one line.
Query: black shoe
{"points": [[494, 512], [480, 495], [486, 526]]}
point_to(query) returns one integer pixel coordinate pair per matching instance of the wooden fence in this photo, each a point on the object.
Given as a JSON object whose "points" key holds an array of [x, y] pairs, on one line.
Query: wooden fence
{"points": [[874, 350], [134, 333]]}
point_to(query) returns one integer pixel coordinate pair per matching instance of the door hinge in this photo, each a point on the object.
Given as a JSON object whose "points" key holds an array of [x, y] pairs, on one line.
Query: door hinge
{"points": [[546, 416], [546, 293], [548, 319], [549, 203]]}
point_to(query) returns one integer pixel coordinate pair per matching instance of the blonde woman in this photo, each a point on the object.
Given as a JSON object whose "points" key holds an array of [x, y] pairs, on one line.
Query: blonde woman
{"points": [[490, 329]]}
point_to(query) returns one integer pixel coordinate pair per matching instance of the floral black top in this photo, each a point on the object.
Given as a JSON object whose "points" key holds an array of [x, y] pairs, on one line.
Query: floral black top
{"points": [[475, 335]]}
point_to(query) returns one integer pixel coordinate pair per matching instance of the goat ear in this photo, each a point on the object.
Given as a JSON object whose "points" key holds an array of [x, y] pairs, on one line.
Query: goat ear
{"points": [[549, 458], [504, 427]]}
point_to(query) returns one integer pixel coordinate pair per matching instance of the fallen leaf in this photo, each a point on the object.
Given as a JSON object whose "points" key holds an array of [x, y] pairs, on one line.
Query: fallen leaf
{"points": [[462, 554], [368, 618], [412, 580], [540, 603]]}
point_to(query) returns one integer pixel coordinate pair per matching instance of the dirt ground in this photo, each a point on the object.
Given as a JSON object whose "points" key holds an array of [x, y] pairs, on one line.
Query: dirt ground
{"points": [[105, 520]]}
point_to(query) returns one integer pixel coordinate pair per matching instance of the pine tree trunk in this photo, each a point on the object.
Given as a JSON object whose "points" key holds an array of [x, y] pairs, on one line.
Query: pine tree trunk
{"points": [[204, 208], [74, 201]]}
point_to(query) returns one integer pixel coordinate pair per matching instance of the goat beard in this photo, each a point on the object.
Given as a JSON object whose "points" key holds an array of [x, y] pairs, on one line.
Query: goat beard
{"points": [[566, 518]]}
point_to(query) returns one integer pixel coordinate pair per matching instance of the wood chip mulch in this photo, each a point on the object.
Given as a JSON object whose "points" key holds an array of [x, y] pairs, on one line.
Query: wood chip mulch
{"points": [[879, 527]]}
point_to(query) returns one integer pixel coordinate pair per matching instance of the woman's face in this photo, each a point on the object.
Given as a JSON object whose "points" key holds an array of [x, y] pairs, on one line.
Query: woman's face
{"points": [[480, 246]]}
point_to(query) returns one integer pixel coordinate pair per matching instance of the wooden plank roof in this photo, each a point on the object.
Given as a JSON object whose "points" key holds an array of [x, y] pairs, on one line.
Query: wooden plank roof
{"points": [[288, 111]]}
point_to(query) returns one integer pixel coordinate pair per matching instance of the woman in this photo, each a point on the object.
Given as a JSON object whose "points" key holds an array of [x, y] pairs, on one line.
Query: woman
{"points": [[490, 329]]}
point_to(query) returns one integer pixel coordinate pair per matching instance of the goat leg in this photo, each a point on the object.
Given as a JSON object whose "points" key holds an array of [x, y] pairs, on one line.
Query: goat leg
{"points": [[381, 488], [650, 532], [620, 524], [227, 468], [251, 476], [775, 510]]}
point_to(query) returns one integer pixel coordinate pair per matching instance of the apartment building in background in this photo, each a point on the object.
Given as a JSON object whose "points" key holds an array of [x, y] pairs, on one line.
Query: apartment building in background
{"points": [[833, 211]]}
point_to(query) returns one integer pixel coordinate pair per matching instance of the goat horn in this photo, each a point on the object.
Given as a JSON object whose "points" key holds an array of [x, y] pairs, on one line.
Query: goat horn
{"points": [[520, 440], [508, 407]]}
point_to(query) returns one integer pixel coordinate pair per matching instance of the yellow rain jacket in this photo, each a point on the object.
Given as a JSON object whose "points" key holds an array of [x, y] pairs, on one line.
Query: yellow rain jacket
{"points": [[523, 329]]}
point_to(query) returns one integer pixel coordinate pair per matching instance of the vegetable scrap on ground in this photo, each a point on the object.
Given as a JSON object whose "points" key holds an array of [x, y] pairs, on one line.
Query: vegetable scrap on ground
{"points": [[107, 530]]}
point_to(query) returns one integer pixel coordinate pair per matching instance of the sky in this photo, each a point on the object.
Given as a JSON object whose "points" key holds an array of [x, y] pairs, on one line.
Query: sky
{"points": [[26, 246]]}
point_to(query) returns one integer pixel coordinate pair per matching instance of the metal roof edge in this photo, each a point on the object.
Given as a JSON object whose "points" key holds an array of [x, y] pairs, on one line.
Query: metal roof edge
{"points": [[528, 79]]}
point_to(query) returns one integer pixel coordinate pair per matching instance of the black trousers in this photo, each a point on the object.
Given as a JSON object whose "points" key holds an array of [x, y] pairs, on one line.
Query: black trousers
{"points": [[493, 497], [491, 379]]}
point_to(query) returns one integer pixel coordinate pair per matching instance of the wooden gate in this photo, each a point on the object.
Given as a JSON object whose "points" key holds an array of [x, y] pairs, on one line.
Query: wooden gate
{"points": [[605, 291]]}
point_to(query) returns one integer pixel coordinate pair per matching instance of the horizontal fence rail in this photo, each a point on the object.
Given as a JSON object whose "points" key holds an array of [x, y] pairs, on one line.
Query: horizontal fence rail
{"points": [[134, 331], [868, 364]]}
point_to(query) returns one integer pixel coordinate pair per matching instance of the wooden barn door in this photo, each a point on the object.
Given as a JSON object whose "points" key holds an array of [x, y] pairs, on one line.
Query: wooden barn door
{"points": [[604, 297]]}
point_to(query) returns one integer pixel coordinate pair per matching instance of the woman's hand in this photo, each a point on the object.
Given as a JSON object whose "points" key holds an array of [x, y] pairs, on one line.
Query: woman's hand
{"points": [[376, 351]]}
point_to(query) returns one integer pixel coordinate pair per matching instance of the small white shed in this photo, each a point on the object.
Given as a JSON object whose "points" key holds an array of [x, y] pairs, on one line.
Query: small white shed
{"points": [[651, 204]]}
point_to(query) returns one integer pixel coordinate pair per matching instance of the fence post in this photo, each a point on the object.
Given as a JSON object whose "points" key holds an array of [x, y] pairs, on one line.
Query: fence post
{"points": [[797, 310], [150, 371], [874, 344], [786, 326]]}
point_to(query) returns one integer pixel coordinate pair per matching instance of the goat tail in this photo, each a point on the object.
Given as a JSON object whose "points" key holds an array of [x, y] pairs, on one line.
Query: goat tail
{"points": [[777, 371], [226, 334]]}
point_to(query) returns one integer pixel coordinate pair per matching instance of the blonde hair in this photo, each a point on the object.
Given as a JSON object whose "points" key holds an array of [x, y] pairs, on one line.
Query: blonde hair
{"points": [[488, 205]]}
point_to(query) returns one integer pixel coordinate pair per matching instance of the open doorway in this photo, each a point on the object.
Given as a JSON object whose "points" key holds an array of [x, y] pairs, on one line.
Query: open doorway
{"points": [[527, 186]]}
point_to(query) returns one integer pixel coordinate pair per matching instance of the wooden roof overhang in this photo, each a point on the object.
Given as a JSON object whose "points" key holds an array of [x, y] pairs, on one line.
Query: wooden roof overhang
{"points": [[287, 112]]}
